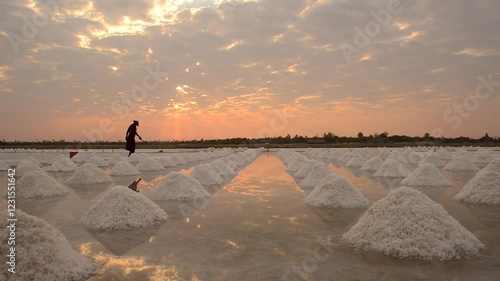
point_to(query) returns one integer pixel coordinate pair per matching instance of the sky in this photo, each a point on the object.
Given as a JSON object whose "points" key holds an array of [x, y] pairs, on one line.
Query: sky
{"points": [[83, 70]]}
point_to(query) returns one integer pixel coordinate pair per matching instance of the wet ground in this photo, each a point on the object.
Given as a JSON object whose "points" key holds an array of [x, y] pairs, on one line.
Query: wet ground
{"points": [[257, 228]]}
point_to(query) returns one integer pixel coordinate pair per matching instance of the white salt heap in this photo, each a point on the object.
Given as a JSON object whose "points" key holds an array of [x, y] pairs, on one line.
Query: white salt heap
{"points": [[336, 192], [88, 174], [26, 166], [178, 187], [43, 253], [426, 175], [122, 209], [346, 157], [461, 163], [494, 166], [222, 168], [34, 160], [392, 168], [149, 164], [372, 164], [123, 168], [433, 159], [409, 225], [115, 159], [98, 161], [356, 161], [36, 184], [318, 173], [306, 169], [297, 163], [62, 164], [3, 166], [79, 158], [483, 157], [179, 160], [167, 162], [134, 158], [484, 188], [206, 175]]}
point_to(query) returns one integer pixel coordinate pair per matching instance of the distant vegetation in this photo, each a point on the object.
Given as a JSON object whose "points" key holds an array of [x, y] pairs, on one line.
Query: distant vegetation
{"points": [[327, 140]]}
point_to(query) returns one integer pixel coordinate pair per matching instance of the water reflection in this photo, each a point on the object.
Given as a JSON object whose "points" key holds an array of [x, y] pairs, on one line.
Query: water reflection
{"points": [[121, 242], [37, 207], [486, 215], [462, 177]]}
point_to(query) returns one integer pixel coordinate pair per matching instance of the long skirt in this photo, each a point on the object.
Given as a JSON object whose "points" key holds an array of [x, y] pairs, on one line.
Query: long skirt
{"points": [[130, 146]]}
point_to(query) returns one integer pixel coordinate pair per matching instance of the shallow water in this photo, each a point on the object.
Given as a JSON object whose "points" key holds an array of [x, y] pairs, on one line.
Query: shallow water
{"points": [[257, 228]]}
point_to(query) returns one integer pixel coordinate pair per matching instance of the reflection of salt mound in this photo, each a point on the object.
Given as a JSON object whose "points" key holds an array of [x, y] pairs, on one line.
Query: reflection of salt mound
{"points": [[27, 166], [206, 175], [123, 168], [319, 172], [356, 161], [482, 189], [63, 164], [167, 162], [373, 164], [426, 175], [89, 174], [222, 168], [36, 184], [122, 209], [134, 158], [494, 166], [98, 161], [306, 169], [392, 168], [149, 164], [115, 159], [3, 166], [408, 224], [461, 163], [336, 192], [433, 159], [178, 187], [43, 252]]}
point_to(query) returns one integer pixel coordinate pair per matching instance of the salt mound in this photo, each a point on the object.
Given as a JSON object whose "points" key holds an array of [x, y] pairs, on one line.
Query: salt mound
{"points": [[484, 188], [167, 162], [34, 160], [179, 159], [408, 224], [222, 168], [494, 166], [98, 161], [356, 161], [426, 175], [373, 164], [79, 158], [296, 164], [122, 209], [336, 192], [149, 164], [461, 163], [346, 157], [178, 187], [483, 157], [3, 166], [115, 159], [206, 175], [319, 172], [433, 159], [27, 166], [36, 184], [392, 168], [62, 164], [123, 168], [89, 174], [43, 252], [134, 158], [306, 169]]}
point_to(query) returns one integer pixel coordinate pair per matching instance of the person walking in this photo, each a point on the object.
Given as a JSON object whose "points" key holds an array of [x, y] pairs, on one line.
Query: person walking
{"points": [[130, 137]]}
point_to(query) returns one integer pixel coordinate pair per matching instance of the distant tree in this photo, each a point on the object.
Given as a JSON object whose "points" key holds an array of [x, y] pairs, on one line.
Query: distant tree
{"points": [[360, 135], [426, 136]]}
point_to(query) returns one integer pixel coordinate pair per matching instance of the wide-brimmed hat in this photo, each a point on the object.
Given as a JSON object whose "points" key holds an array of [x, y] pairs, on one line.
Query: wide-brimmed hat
{"points": [[136, 122]]}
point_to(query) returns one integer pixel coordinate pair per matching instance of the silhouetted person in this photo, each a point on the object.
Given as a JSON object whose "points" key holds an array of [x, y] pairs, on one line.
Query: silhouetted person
{"points": [[130, 137], [133, 185]]}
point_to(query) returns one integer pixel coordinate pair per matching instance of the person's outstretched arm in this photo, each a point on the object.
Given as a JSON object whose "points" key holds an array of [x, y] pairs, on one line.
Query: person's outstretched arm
{"points": [[138, 135]]}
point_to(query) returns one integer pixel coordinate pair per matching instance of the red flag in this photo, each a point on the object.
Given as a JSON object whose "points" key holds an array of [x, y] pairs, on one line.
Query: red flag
{"points": [[72, 153]]}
